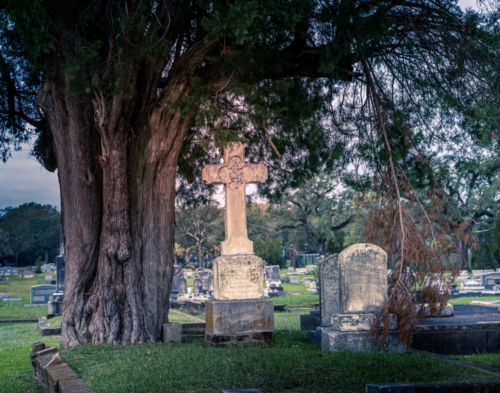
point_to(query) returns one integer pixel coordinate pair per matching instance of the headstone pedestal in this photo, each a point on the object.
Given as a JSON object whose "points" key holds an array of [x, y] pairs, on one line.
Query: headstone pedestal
{"points": [[55, 306], [239, 315]]}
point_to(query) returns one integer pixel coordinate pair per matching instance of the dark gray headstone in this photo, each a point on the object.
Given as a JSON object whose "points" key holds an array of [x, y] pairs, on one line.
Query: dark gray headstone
{"points": [[488, 280], [60, 272], [197, 286], [329, 295], [182, 286], [42, 294], [178, 277], [205, 277], [273, 277]]}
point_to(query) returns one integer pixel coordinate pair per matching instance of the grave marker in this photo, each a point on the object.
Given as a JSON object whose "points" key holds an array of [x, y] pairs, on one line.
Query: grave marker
{"points": [[488, 280], [42, 294], [235, 174], [238, 315], [295, 280], [353, 289]]}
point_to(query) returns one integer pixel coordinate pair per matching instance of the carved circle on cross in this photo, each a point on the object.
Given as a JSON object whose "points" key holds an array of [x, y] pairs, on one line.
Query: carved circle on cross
{"points": [[235, 173]]}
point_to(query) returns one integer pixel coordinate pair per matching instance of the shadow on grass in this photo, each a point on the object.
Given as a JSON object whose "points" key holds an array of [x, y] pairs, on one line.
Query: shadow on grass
{"points": [[290, 365]]}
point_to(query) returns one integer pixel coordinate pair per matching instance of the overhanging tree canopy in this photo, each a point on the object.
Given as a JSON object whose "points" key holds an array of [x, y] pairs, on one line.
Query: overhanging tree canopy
{"points": [[134, 93]]}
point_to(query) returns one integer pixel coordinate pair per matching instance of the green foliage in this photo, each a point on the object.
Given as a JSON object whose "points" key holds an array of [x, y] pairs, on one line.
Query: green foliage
{"points": [[270, 250], [28, 232], [315, 274], [198, 229], [269, 79], [316, 214]]}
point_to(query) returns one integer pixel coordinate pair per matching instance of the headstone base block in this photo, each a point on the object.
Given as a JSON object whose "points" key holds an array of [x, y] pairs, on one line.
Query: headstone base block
{"points": [[55, 308], [332, 340], [241, 323]]}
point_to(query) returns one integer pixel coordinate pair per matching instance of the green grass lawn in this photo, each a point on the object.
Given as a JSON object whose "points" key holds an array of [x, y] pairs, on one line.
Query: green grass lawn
{"points": [[467, 300], [20, 288], [15, 346], [291, 365], [54, 322], [486, 359], [180, 317]]}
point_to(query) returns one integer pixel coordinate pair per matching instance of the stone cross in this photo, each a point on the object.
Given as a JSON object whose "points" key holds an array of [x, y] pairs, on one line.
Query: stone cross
{"points": [[235, 175]]}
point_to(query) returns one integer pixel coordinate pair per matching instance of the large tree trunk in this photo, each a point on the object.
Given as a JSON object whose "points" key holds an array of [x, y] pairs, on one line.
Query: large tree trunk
{"points": [[80, 179], [201, 260], [322, 246], [462, 254], [117, 154]]}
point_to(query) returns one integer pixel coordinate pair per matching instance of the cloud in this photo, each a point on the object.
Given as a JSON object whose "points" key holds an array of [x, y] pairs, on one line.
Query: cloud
{"points": [[23, 179]]}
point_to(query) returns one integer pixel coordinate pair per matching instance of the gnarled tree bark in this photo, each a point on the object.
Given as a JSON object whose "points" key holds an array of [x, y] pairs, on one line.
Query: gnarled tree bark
{"points": [[117, 157]]}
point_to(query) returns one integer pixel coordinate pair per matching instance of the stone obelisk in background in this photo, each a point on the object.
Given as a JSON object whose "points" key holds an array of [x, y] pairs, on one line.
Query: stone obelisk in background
{"points": [[239, 315]]}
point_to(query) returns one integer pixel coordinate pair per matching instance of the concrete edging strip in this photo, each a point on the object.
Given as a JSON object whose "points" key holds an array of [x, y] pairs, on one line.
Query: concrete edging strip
{"points": [[18, 320], [53, 373], [46, 329]]}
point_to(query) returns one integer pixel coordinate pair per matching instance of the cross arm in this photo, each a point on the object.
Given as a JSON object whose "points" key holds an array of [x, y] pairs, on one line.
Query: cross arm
{"points": [[256, 174], [210, 174]]}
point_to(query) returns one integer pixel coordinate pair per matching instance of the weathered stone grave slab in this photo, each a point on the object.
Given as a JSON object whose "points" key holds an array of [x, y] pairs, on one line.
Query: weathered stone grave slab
{"points": [[273, 277], [353, 290], [363, 278], [295, 280], [329, 275], [42, 294], [488, 280], [238, 277], [27, 274]]}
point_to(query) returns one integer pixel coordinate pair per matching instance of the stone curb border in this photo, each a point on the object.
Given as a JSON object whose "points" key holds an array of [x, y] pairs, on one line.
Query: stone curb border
{"points": [[53, 373], [18, 321], [46, 329], [473, 387], [488, 369]]}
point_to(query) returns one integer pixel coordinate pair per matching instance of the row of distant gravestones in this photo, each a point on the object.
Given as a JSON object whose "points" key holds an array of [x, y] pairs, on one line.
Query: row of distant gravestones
{"points": [[203, 285]]}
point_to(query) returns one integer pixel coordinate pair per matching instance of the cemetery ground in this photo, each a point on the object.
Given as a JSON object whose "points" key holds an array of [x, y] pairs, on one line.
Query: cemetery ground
{"points": [[290, 365], [20, 288]]}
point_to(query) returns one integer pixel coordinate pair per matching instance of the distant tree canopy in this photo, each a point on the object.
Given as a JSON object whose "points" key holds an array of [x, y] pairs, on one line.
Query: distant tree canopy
{"points": [[28, 232]]}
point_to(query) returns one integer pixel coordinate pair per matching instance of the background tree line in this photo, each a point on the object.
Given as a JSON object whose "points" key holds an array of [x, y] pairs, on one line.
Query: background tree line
{"points": [[29, 234]]}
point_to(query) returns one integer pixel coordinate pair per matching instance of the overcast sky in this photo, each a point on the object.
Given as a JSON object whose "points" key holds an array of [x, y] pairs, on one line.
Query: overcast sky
{"points": [[22, 179]]}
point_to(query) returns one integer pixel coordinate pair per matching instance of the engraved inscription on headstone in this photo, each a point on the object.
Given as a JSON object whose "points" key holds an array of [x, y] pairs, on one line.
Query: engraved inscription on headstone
{"points": [[363, 281], [238, 277], [42, 294], [329, 276]]}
